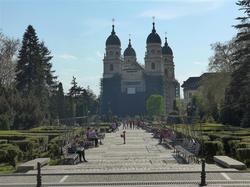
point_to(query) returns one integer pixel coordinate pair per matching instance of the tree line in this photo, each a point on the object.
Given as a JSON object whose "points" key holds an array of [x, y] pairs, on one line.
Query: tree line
{"points": [[225, 96], [30, 93]]}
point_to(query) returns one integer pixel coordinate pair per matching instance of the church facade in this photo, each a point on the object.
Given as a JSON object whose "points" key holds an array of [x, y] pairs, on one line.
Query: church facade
{"points": [[126, 84]]}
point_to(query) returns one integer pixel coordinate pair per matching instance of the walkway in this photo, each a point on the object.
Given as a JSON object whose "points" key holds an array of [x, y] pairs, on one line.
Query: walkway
{"points": [[139, 162]]}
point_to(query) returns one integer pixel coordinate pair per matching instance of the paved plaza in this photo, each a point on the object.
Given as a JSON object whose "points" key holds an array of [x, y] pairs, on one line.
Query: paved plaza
{"points": [[139, 162]]}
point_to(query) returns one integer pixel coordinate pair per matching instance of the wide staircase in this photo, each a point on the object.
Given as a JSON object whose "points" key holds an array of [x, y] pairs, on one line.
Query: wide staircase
{"points": [[139, 162]]}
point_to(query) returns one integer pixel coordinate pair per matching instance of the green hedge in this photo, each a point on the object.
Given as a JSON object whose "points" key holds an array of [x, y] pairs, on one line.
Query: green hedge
{"points": [[212, 148], [243, 153], [233, 146], [13, 137], [3, 141], [10, 154], [24, 145]]}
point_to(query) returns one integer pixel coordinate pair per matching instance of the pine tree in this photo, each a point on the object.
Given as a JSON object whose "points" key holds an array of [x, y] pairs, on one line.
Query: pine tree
{"points": [[34, 75], [29, 55]]}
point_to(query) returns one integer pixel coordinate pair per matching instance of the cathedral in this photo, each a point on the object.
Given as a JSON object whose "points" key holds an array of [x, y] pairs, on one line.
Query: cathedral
{"points": [[126, 84]]}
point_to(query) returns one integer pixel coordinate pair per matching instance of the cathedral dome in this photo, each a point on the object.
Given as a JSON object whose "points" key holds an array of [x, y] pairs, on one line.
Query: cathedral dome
{"points": [[113, 39], [166, 50], [153, 37], [129, 51]]}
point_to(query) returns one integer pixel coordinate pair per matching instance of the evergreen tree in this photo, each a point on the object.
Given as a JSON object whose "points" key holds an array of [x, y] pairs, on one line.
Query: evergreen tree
{"points": [[29, 57], [237, 97], [34, 75], [74, 93]]}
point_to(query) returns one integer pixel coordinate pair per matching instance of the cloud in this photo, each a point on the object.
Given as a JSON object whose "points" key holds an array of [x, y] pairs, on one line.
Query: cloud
{"points": [[99, 54], [200, 63], [66, 56], [181, 8]]}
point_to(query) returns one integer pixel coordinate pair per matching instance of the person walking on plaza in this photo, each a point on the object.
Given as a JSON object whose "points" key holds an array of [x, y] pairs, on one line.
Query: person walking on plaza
{"points": [[93, 136], [123, 135]]}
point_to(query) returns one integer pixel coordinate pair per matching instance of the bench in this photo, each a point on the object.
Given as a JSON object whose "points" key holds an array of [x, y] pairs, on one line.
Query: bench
{"points": [[87, 143], [185, 154], [229, 162], [32, 164], [71, 159], [168, 142]]}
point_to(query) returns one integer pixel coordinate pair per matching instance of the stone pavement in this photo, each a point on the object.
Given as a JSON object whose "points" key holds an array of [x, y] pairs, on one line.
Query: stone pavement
{"points": [[139, 162]]}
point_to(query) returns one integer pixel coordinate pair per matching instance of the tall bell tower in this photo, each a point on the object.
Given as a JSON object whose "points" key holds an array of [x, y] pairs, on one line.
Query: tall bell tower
{"points": [[112, 57]]}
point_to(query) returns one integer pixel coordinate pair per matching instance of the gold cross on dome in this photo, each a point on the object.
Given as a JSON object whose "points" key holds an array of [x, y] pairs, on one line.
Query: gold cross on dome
{"points": [[153, 18], [113, 20]]}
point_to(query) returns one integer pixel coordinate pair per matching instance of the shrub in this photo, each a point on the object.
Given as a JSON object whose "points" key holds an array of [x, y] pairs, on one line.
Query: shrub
{"points": [[244, 145], [54, 162], [243, 153], [3, 141], [247, 162], [225, 140], [24, 145], [212, 148], [3, 154], [233, 145], [13, 153], [54, 150], [12, 137]]}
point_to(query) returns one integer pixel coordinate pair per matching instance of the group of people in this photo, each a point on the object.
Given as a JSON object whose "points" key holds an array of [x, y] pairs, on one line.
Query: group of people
{"points": [[77, 146], [92, 135], [132, 124]]}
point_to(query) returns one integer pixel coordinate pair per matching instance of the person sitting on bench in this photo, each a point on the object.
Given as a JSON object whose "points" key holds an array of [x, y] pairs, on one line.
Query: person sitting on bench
{"points": [[79, 150]]}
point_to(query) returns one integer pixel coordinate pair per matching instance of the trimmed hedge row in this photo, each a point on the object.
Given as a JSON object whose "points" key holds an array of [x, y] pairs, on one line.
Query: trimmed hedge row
{"points": [[10, 154], [212, 148], [220, 139]]}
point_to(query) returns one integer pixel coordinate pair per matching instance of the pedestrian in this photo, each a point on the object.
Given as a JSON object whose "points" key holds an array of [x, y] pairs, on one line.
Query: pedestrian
{"points": [[123, 135], [93, 137]]}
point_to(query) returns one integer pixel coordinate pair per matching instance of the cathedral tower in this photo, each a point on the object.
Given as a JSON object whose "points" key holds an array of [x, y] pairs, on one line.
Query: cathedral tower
{"points": [[170, 84], [167, 58], [153, 62], [112, 57]]}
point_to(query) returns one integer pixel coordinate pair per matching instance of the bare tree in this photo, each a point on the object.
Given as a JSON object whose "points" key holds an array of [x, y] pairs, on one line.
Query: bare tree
{"points": [[8, 51], [222, 59]]}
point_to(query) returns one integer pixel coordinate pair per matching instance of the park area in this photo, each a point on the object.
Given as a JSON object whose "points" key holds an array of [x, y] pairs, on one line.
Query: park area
{"points": [[217, 139], [18, 146]]}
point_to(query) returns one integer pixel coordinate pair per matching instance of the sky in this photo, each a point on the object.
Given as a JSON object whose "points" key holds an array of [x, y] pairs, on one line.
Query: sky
{"points": [[75, 31]]}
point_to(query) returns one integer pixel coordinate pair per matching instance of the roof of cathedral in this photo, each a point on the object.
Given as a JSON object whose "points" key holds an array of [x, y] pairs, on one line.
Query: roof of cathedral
{"points": [[113, 39], [129, 51], [166, 50], [153, 37]]}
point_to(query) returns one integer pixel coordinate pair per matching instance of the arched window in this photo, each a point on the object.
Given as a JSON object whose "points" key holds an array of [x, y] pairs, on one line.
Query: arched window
{"points": [[111, 67], [153, 66]]}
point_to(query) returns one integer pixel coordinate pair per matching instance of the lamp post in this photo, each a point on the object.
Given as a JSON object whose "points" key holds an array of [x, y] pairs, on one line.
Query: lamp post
{"points": [[203, 161], [88, 112]]}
